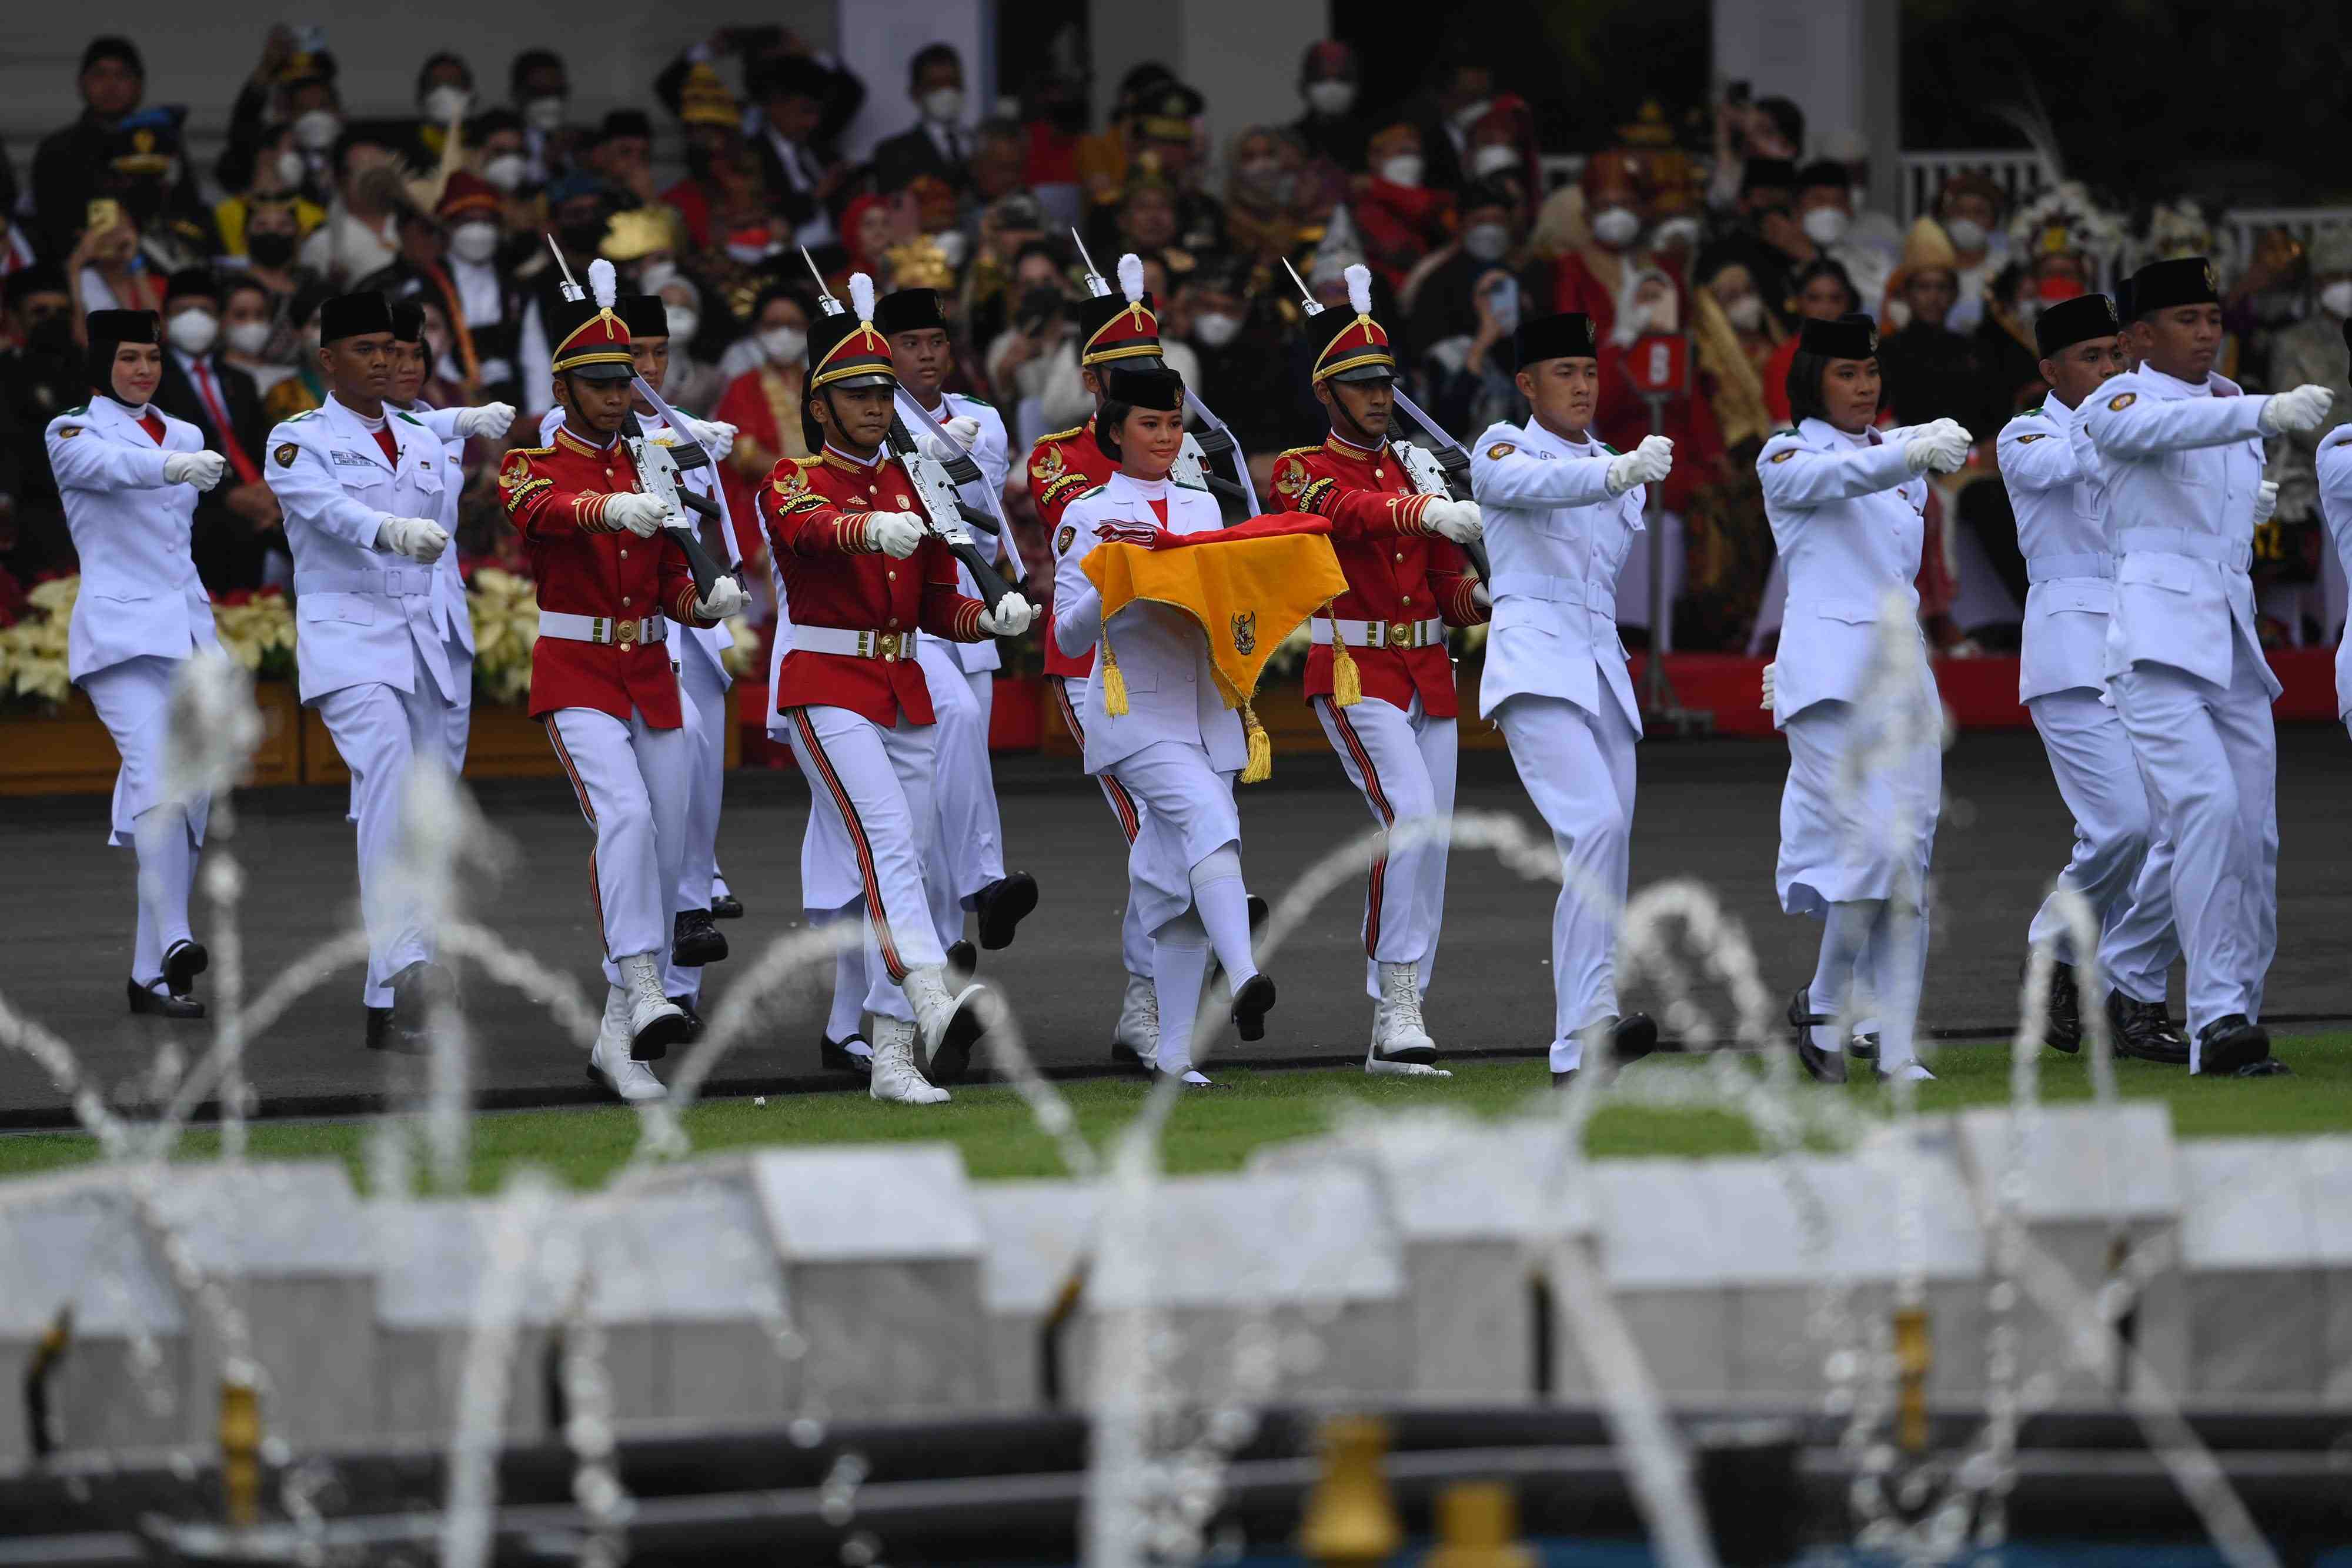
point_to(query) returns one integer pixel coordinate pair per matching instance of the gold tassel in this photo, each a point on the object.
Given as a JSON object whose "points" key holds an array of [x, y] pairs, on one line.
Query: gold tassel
{"points": [[1347, 681], [1113, 685], [1260, 749]]}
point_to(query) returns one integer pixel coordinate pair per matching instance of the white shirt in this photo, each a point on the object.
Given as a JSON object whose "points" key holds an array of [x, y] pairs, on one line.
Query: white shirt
{"points": [[2055, 492]]}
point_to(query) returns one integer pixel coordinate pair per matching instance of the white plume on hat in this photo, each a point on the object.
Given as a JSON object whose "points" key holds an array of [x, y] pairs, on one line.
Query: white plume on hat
{"points": [[1360, 288], [1130, 277], [861, 296], [604, 282]]}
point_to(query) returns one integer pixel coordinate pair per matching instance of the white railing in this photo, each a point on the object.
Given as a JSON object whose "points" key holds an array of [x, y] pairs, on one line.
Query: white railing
{"points": [[2305, 223], [2021, 175]]}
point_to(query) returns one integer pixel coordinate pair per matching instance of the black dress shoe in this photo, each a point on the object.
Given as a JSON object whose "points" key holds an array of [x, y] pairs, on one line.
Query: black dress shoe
{"points": [[726, 906], [693, 1018], [963, 961], [2230, 1046], [835, 1055], [2062, 1026], [1251, 1004], [1125, 1055], [387, 1033], [147, 1003], [1862, 1048], [2145, 1031], [182, 962], [418, 989], [1634, 1037], [694, 941], [1824, 1066], [1004, 904]]}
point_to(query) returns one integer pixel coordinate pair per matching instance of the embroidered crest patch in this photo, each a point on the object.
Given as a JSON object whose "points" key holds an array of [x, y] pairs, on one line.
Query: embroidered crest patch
{"points": [[1500, 449], [1245, 632], [2122, 401], [286, 453], [1062, 540], [1784, 454], [69, 432]]}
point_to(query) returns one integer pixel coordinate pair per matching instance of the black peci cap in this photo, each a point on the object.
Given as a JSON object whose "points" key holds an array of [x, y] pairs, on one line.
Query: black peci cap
{"points": [[2076, 320], [2181, 281], [407, 323], [112, 327], [1846, 337], [643, 314], [910, 311], [350, 315], [1567, 335], [1156, 387]]}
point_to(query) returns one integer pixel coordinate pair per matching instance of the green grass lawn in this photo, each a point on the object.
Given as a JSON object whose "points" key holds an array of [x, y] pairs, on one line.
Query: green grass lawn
{"points": [[1216, 1132]]}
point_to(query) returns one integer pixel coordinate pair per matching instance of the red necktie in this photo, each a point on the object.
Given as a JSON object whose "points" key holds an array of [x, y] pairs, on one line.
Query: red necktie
{"points": [[247, 474], [152, 426], [391, 451]]}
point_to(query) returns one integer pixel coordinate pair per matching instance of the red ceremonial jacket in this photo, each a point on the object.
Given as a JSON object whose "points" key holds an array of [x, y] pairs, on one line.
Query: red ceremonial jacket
{"points": [[1061, 468], [585, 566], [815, 511], [1396, 570]]}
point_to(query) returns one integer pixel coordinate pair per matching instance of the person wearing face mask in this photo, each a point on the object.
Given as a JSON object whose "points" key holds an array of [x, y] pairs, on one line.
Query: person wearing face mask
{"points": [[1262, 195], [1331, 130], [129, 475], [580, 209], [445, 97], [1969, 210], [1824, 212], [287, 115], [254, 338], [233, 522], [478, 293], [541, 91], [1400, 220], [763, 404], [939, 143], [275, 177], [1462, 91], [1439, 294], [2312, 350]]}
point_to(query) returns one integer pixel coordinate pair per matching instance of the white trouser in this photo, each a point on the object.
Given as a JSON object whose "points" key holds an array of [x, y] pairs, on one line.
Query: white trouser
{"points": [[1403, 762], [1188, 816], [872, 789], [2212, 760], [1578, 769], [1134, 936], [461, 712], [967, 847], [632, 781], [2121, 868], [133, 700], [1844, 840], [702, 693], [381, 731]]}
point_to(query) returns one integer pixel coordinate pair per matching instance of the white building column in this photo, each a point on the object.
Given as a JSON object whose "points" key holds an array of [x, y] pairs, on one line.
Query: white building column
{"points": [[1839, 61]]}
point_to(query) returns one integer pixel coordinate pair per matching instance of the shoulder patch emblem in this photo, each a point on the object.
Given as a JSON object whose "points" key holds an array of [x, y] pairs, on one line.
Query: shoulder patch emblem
{"points": [[1046, 462], [286, 453], [1500, 449], [2030, 440], [2122, 401], [69, 432], [1062, 540], [1784, 454], [792, 481], [1290, 477]]}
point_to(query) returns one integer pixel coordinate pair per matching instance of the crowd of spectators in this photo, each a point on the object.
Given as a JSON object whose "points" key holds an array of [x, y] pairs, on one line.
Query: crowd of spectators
{"points": [[1728, 228]]}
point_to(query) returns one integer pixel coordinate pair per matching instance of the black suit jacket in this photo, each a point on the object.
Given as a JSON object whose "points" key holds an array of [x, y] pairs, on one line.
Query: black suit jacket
{"points": [[912, 152], [178, 397]]}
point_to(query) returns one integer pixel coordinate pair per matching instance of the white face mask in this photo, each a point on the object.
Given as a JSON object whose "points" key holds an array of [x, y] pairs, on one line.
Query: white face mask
{"points": [[447, 102], [506, 171], [1487, 241], [1404, 169], [684, 322], [247, 338], [2337, 298], [1746, 312], [1331, 96], [545, 113], [1676, 234], [1966, 234], [1494, 158], [1616, 226], [1824, 226], [291, 167], [1216, 329], [474, 242], [783, 345], [943, 104], [316, 129], [952, 246], [1470, 114], [656, 276], [194, 331]]}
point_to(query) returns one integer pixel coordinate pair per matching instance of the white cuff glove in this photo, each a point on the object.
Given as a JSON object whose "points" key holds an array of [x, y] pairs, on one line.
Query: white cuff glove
{"points": [[1455, 520], [490, 419], [717, 437], [2301, 409], [1646, 464], [2265, 500], [1010, 618], [415, 538], [201, 469], [1771, 690], [963, 431], [895, 534], [1943, 446], [641, 514], [725, 600]]}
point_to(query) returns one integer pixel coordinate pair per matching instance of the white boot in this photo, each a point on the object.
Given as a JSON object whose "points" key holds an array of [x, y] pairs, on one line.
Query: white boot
{"points": [[1139, 1021], [609, 1062], [1400, 1044], [895, 1077], [654, 1022], [949, 1024]]}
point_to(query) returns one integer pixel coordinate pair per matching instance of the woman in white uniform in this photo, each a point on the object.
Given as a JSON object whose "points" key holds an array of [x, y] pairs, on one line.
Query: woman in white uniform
{"points": [[1852, 690], [1177, 746]]}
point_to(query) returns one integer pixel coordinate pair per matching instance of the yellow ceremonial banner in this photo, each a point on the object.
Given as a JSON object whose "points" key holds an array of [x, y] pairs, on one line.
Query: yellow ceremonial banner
{"points": [[1247, 594]]}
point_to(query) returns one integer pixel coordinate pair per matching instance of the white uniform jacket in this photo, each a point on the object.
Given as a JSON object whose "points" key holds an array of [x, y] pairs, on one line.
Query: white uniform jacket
{"points": [[140, 595], [2181, 463], [1556, 538], [991, 450], [1162, 654], [1848, 517], [450, 606], [363, 614], [2055, 493], [2335, 466]]}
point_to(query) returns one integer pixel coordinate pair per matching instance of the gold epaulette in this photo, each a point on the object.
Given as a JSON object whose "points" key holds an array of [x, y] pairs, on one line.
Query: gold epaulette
{"points": [[1297, 450], [1060, 435]]}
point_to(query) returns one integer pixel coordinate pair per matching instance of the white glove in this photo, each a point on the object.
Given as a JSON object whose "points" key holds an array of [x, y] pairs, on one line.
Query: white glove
{"points": [[2301, 409], [2265, 500], [641, 514], [415, 538], [490, 419], [1010, 618], [1455, 520], [725, 600], [1770, 688], [895, 534], [1646, 464], [1942, 445], [962, 430], [717, 437], [201, 469]]}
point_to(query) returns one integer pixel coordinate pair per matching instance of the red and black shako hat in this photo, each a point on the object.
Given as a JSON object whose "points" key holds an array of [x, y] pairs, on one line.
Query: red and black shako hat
{"points": [[847, 351], [592, 342], [1355, 348], [1123, 328]]}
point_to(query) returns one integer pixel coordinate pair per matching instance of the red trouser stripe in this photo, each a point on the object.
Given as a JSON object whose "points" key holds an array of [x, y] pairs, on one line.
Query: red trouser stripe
{"points": [[1122, 804], [873, 906], [587, 810], [1372, 792]]}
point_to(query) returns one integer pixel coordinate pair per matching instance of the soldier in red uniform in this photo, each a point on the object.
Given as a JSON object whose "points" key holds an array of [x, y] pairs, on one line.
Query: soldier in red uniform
{"points": [[1408, 580], [1114, 329], [610, 584], [865, 576]]}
